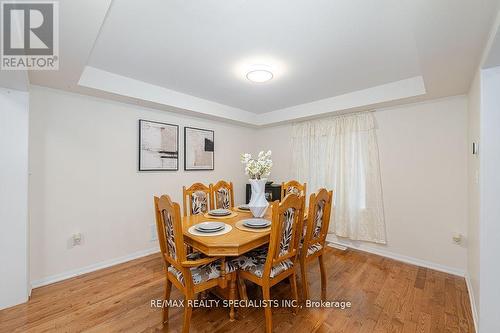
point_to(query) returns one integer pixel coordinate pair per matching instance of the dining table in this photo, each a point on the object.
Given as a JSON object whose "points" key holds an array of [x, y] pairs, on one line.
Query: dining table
{"points": [[234, 243]]}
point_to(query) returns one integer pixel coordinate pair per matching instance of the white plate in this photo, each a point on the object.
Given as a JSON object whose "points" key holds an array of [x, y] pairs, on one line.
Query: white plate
{"points": [[209, 226], [227, 228], [219, 212], [244, 207], [255, 226], [256, 223], [211, 230]]}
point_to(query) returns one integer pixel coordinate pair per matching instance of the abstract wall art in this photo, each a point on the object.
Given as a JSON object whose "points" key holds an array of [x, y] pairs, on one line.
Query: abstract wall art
{"points": [[198, 149], [158, 146]]}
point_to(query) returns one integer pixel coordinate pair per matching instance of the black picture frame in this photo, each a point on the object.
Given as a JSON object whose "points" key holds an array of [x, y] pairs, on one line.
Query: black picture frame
{"points": [[140, 166], [209, 146]]}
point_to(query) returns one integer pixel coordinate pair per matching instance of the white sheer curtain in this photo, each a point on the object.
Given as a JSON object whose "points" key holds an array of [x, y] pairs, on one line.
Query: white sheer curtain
{"points": [[341, 153]]}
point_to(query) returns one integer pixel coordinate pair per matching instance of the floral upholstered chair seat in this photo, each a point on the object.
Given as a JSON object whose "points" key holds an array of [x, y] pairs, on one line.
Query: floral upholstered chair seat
{"points": [[312, 248], [203, 273], [318, 223], [292, 190], [254, 261], [223, 198], [199, 203], [318, 219]]}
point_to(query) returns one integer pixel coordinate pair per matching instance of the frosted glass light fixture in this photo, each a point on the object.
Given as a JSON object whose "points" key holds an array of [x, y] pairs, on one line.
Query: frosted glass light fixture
{"points": [[259, 74]]}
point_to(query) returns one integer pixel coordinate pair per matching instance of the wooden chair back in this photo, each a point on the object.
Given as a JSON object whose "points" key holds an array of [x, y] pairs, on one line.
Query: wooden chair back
{"points": [[169, 228], [318, 218], [222, 195], [196, 199], [294, 187], [286, 231]]}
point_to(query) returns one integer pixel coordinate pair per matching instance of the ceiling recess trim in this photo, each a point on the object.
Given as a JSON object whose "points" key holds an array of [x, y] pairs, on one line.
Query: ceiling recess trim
{"points": [[121, 85], [95, 78], [354, 100]]}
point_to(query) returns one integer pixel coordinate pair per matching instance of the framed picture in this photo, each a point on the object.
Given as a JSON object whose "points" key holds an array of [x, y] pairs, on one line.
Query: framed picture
{"points": [[198, 149], [158, 146]]}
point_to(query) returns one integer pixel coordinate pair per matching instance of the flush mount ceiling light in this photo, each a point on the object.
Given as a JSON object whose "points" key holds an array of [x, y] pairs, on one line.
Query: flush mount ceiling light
{"points": [[259, 74]]}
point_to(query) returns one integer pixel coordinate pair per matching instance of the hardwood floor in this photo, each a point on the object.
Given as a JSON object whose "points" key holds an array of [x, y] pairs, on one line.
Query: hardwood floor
{"points": [[386, 296]]}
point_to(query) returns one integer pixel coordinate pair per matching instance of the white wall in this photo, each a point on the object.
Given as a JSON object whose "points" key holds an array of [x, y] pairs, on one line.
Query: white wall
{"points": [[473, 163], [83, 160], [423, 164], [489, 196], [14, 284]]}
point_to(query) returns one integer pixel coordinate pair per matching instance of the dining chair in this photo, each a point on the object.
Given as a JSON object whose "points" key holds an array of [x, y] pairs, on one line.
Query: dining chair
{"points": [[222, 195], [268, 265], [313, 244], [197, 196], [293, 186], [191, 273]]}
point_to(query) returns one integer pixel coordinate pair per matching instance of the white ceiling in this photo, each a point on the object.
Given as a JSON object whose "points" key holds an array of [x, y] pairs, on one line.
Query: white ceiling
{"points": [[201, 49], [327, 55]]}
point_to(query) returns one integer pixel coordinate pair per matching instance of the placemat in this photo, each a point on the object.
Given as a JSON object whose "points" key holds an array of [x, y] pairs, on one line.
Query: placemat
{"points": [[233, 214], [240, 226], [193, 231], [242, 210]]}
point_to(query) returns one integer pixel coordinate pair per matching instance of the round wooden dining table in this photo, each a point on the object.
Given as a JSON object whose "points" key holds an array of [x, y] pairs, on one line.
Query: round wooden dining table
{"points": [[234, 243]]}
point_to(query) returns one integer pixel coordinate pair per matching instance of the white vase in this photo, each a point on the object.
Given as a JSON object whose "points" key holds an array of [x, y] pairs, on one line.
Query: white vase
{"points": [[258, 203]]}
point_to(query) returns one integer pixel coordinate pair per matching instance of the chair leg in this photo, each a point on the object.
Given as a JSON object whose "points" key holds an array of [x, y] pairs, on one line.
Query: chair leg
{"points": [[168, 289], [188, 310], [293, 285], [203, 295], [305, 287], [242, 288], [323, 277], [232, 295], [266, 293]]}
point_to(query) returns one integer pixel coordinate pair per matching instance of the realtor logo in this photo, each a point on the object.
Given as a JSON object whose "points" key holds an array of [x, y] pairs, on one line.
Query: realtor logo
{"points": [[30, 35]]}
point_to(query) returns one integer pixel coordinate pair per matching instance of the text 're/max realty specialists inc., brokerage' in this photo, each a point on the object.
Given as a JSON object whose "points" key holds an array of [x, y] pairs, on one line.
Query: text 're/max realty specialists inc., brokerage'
{"points": [[274, 303]]}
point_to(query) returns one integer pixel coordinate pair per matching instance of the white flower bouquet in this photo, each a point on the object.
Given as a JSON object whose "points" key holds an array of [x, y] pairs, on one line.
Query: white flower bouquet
{"points": [[257, 168]]}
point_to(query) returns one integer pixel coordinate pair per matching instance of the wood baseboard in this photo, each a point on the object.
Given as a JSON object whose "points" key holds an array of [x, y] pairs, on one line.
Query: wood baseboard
{"points": [[91, 268], [399, 257]]}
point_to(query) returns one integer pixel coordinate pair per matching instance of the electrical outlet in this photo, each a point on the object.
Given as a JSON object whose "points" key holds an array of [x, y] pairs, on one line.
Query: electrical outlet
{"points": [[457, 238], [154, 234], [77, 239]]}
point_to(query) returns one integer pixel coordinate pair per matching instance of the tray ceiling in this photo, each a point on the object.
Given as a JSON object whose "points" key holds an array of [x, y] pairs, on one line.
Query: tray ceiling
{"points": [[326, 56]]}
